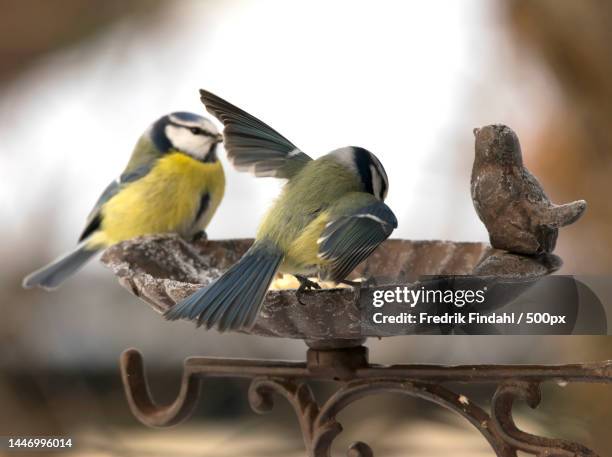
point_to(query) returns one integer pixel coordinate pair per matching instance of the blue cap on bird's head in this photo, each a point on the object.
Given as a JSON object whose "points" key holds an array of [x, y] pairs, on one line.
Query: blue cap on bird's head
{"points": [[367, 166], [188, 133]]}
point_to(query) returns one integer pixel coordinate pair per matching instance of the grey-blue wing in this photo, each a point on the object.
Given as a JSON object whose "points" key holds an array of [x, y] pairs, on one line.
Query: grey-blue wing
{"points": [[252, 145], [95, 218], [349, 239]]}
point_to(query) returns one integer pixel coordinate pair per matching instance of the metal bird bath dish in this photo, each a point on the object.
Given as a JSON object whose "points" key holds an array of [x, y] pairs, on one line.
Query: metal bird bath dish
{"points": [[520, 218], [162, 270]]}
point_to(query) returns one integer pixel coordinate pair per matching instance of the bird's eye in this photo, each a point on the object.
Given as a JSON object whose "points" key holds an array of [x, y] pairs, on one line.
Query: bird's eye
{"points": [[196, 130]]}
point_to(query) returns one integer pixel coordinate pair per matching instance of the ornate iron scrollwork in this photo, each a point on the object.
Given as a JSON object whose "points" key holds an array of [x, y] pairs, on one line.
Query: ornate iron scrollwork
{"points": [[320, 427], [503, 422], [357, 379]]}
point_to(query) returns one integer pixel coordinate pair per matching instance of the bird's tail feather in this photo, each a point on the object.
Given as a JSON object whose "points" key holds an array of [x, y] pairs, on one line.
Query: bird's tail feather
{"points": [[52, 275], [233, 301], [562, 215]]}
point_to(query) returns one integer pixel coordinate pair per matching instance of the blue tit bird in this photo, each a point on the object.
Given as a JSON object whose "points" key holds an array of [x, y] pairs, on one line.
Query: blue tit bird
{"points": [[173, 182], [329, 217]]}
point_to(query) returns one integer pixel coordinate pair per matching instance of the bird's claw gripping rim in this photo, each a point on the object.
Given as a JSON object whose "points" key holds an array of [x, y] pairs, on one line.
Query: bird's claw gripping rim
{"points": [[305, 285]]}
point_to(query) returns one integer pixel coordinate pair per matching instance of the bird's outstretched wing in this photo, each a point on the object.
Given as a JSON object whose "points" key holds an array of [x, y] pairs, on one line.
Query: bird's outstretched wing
{"points": [[252, 145], [350, 238], [94, 220]]}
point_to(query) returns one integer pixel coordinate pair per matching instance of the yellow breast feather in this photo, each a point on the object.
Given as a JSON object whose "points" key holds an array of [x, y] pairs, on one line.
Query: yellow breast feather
{"points": [[165, 200], [303, 251]]}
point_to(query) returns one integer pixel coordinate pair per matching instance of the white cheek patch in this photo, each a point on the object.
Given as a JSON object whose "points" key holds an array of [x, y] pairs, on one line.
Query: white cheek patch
{"points": [[376, 182], [380, 182], [182, 139], [208, 126]]}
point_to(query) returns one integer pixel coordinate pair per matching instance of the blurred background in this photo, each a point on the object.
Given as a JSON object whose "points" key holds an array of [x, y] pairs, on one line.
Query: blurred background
{"points": [[81, 79]]}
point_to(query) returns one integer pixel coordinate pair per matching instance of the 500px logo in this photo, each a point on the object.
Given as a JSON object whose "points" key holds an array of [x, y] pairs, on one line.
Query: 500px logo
{"points": [[413, 297]]}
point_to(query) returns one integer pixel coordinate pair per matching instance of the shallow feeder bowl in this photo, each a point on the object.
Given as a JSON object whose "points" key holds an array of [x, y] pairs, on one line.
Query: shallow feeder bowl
{"points": [[164, 269]]}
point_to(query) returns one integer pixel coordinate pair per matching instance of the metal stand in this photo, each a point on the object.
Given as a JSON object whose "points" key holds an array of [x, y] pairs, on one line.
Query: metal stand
{"points": [[356, 378]]}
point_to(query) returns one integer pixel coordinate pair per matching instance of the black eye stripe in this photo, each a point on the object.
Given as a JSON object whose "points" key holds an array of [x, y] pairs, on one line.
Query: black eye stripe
{"points": [[195, 130], [362, 161], [199, 131], [367, 164]]}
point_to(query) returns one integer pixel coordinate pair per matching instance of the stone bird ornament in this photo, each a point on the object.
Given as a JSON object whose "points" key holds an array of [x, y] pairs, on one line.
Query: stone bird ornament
{"points": [[510, 201]]}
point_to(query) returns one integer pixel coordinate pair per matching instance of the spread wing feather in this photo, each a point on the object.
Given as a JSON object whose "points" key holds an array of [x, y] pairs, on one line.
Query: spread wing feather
{"points": [[252, 145]]}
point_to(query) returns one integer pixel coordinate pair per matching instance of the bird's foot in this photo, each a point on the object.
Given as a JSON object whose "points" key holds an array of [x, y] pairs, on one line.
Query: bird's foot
{"points": [[305, 284], [199, 236]]}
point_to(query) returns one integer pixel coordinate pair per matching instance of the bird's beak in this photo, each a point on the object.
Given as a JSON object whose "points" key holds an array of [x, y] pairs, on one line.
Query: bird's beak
{"points": [[476, 130], [219, 138]]}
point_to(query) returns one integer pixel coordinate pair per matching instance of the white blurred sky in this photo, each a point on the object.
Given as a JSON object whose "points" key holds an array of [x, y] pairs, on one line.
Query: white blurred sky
{"points": [[406, 80]]}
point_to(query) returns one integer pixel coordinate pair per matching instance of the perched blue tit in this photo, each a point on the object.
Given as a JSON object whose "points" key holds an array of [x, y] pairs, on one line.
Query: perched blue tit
{"points": [[173, 182], [329, 217]]}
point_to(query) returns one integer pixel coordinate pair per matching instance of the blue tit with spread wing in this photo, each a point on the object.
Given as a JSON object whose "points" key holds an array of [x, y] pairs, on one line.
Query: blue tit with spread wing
{"points": [[173, 183], [329, 217]]}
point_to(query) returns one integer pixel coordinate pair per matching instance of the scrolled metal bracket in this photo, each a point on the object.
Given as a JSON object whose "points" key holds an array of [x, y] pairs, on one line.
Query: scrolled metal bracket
{"points": [[139, 395], [503, 423], [349, 368]]}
